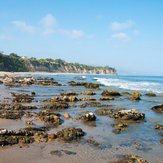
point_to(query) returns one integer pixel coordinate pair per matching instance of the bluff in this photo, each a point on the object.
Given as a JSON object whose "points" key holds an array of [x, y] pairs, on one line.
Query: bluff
{"points": [[16, 63]]}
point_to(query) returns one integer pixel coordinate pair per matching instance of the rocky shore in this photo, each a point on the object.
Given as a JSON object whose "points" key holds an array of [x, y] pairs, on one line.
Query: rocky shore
{"points": [[79, 104]]}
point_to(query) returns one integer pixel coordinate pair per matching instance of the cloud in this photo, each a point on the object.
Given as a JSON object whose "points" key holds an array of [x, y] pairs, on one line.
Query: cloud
{"points": [[23, 26], [49, 21], [117, 26], [120, 36], [75, 34]]}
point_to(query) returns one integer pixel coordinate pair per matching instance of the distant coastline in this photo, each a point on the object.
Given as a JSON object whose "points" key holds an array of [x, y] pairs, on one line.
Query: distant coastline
{"points": [[15, 63]]}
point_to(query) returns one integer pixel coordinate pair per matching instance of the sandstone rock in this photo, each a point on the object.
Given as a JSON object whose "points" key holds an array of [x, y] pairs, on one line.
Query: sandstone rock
{"points": [[70, 134], [159, 127], [57, 106], [158, 108], [93, 104], [89, 92], [110, 93], [104, 111], [135, 96], [105, 98], [129, 115], [150, 94]]}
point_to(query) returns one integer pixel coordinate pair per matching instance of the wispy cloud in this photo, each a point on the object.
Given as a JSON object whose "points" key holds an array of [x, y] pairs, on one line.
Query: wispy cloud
{"points": [[118, 26], [49, 21], [120, 36], [23, 26], [75, 34]]}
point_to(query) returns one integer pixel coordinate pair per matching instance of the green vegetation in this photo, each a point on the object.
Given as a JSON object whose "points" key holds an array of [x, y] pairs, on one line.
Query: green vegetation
{"points": [[15, 63]]}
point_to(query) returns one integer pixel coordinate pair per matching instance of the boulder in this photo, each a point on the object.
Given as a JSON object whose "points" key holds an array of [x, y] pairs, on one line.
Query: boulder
{"points": [[93, 104], [135, 96], [150, 94], [69, 134], [106, 98], [57, 106], [104, 112], [159, 127], [129, 115], [89, 92], [110, 93], [158, 108]]}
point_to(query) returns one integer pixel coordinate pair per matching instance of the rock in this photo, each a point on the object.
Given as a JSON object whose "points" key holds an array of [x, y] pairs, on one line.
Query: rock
{"points": [[48, 83], [9, 114], [110, 93], [106, 98], [104, 111], [50, 118], [119, 127], [11, 137], [87, 99], [150, 94], [65, 99], [52, 137], [29, 123], [66, 115], [89, 92], [15, 106], [161, 141], [22, 97], [129, 159], [69, 134], [60, 153], [129, 115], [159, 127], [85, 84], [93, 142], [135, 96], [158, 108], [93, 104], [69, 94], [57, 106], [88, 117]]}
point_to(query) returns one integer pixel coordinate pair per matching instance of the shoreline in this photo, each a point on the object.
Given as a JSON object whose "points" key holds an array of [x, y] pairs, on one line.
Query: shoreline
{"points": [[2, 73]]}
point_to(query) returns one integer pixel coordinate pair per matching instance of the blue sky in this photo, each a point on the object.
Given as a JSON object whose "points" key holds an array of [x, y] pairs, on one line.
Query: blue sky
{"points": [[125, 34]]}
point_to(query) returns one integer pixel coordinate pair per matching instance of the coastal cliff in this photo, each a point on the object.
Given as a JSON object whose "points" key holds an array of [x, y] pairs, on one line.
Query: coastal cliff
{"points": [[13, 62]]}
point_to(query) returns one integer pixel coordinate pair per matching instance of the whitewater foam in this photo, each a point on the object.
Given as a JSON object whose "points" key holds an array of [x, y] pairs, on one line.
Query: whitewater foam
{"points": [[132, 85]]}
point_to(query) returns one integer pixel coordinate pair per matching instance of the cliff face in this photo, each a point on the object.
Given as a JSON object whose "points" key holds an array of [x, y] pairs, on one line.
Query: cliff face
{"points": [[70, 68], [14, 62]]}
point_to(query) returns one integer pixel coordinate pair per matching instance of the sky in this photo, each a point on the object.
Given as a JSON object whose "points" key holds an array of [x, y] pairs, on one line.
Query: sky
{"points": [[125, 34]]}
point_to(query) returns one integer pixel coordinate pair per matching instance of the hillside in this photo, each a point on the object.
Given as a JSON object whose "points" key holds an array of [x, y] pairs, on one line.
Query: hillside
{"points": [[15, 63]]}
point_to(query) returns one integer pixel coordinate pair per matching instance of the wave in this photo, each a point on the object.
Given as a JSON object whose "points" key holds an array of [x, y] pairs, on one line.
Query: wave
{"points": [[132, 85]]}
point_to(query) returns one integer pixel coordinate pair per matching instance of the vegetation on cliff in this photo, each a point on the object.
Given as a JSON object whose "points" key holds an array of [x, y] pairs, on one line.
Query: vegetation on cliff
{"points": [[16, 63]]}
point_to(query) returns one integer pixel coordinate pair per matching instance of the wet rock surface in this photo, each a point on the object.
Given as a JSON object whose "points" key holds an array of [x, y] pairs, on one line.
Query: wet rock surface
{"points": [[26, 135], [60, 153], [110, 93], [119, 127], [93, 104], [85, 84], [105, 98], [89, 92], [70, 134], [135, 96], [159, 127], [50, 117], [129, 159], [57, 106], [104, 112], [158, 108], [23, 97], [129, 115]]}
